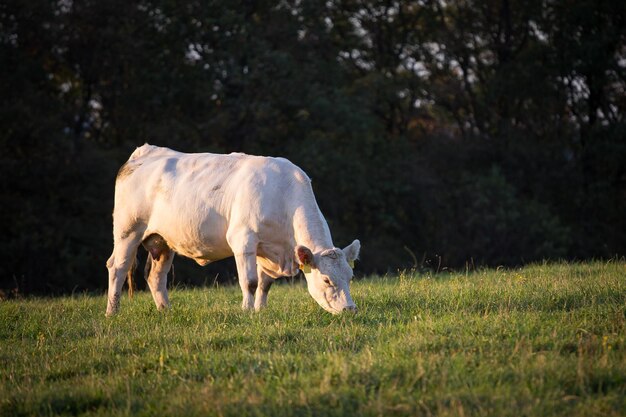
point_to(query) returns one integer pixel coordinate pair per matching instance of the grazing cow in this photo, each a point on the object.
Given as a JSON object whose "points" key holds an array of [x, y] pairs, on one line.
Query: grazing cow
{"points": [[208, 207]]}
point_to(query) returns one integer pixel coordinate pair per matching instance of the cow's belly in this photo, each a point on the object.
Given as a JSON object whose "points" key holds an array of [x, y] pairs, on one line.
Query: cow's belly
{"points": [[202, 252], [201, 238]]}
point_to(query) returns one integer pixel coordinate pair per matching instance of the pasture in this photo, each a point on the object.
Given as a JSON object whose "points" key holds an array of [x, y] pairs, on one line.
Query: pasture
{"points": [[544, 340]]}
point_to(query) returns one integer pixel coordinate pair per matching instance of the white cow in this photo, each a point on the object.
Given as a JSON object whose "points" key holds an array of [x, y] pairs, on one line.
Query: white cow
{"points": [[209, 207]]}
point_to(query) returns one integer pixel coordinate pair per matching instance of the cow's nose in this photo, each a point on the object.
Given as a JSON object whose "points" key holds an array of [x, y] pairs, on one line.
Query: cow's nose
{"points": [[349, 309]]}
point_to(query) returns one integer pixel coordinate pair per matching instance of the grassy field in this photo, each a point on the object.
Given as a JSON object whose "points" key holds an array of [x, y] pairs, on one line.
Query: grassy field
{"points": [[545, 340]]}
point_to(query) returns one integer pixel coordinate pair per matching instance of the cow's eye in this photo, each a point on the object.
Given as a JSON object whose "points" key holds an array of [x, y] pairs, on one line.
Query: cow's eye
{"points": [[327, 281]]}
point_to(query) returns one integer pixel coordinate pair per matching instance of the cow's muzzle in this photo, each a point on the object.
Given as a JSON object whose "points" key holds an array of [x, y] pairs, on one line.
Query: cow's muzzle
{"points": [[350, 309]]}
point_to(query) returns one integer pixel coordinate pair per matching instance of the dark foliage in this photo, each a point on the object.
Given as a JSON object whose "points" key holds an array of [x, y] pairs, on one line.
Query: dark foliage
{"points": [[439, 134]]}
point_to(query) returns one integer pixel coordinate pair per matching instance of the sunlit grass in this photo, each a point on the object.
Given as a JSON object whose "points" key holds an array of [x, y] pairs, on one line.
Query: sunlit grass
{"points": [[548, 339]]}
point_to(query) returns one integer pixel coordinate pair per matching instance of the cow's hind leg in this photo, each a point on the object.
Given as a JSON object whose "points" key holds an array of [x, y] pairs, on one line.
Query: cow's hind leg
{"points": [[119, 264], [263, 287], [156, 275]]}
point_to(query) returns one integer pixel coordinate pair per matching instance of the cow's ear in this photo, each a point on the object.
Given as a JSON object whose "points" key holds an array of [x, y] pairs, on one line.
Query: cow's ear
{"points": [[304, 255], [352, 251]]}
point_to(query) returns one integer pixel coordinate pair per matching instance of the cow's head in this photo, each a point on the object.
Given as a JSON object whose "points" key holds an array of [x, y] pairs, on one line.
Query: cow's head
{"points": [[328, 274]]}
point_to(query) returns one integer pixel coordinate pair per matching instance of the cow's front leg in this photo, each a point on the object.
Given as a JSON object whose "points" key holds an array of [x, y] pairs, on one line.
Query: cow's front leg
{"points": [[265, 282], [244, 247], [246, 269]]}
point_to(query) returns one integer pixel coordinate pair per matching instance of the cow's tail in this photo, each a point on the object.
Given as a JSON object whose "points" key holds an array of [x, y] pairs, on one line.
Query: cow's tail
{"points": [[129, 278]]}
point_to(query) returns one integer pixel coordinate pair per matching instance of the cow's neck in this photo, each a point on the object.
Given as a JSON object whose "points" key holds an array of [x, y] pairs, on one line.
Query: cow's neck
{"points": [[310, 228]]}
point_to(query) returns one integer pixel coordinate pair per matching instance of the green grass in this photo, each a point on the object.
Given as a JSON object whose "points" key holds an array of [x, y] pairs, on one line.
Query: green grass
{"points": [[545, 340]]}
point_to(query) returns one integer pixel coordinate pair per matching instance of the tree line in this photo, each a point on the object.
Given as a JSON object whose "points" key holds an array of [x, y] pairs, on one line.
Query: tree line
{"points": [[442, 134]]}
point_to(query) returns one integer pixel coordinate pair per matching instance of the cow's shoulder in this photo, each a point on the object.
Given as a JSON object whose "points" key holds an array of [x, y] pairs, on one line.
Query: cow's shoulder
{"points": [[295, 173], [278, 165]]}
